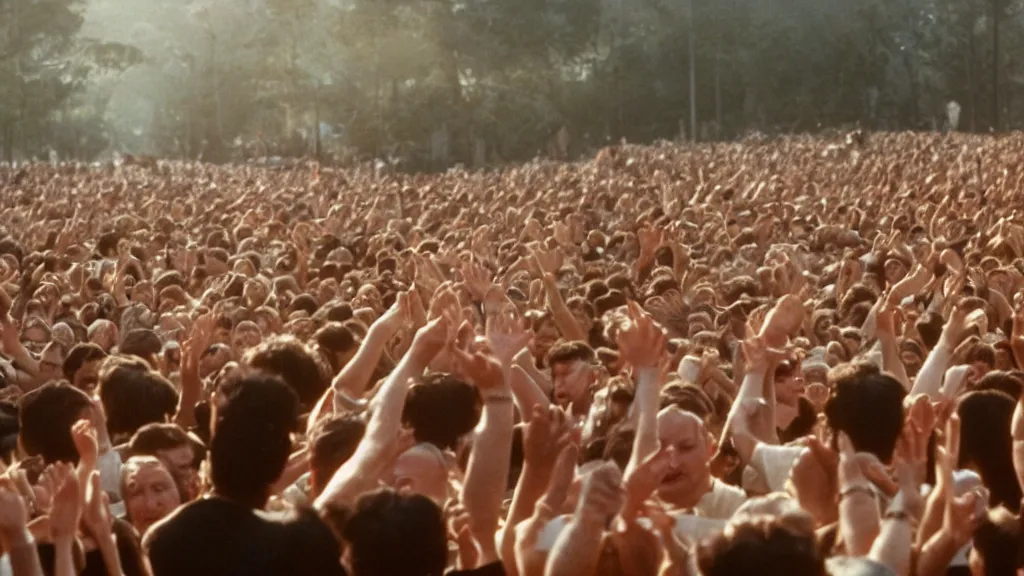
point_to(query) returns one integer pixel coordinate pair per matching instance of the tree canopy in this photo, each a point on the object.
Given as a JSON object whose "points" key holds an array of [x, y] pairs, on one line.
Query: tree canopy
{"points": [[432, 83]]}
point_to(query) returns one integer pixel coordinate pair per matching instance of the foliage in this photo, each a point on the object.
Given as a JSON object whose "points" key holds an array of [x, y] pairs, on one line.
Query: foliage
{"points": [[437, 82]]}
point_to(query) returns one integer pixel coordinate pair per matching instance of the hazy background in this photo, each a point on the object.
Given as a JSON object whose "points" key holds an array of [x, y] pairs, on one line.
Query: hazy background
{"points": [[439, 82]]}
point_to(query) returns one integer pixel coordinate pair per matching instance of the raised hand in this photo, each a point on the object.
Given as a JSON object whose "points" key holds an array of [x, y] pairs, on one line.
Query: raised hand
{"points": [[430, 340], [83, 433], [66, 509], [483, 369], [13, 515], [642, 342], [961, 514], [548, 262], [507, 335], [545, 436], [477, 279]]}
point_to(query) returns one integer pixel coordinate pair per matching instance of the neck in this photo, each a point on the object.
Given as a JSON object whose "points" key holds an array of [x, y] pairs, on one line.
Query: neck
{"points": [[251, 502]]}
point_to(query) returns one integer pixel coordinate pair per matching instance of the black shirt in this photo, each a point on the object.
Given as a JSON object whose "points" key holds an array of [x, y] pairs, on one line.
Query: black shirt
{"points": [[216, 537], [493, 569]]}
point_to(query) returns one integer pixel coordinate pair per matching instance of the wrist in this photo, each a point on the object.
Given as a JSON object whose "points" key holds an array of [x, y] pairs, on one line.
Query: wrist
{"points": [[17, 538]]}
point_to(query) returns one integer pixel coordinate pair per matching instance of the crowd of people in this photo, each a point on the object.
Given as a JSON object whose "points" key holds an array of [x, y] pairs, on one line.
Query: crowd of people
{"points": [[792, 356]]}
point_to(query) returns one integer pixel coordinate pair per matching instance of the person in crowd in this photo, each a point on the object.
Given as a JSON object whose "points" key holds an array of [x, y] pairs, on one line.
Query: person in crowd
{"points": [[791, 356]]}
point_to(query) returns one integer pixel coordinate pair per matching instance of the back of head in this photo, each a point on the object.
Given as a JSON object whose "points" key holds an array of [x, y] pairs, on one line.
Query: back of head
{"points": [[253, 418], [141, 342], [997, 541], [868, 406], [287, 358], [331, 443], [986, 444], [133, 395], [46, 415], [383, 518], [441, 409], [763, 545]]}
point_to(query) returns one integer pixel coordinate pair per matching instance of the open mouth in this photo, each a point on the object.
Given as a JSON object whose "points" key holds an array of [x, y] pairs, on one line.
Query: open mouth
{"points": [[671, 478]]}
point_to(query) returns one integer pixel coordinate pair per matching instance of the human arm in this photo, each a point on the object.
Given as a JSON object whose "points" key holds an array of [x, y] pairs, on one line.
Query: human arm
{"points": [[65, 513], [99, 523], [858, 509], [929, 378], [578, 548], [642, 345], [15, 537], [354, 376], [886, 332], [191, 382], [366, 464], [526, 392], [549, 263], [487, 471], [544, 438]]}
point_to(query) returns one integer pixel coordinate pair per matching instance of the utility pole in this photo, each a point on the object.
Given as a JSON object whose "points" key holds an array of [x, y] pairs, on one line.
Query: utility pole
{"points": [[996, 15]]}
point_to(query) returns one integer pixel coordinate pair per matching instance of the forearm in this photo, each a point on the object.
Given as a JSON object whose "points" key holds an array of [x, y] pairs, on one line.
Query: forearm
{"points": [[108, 550], [529, 489], [21, 551], [929, 378], [298, 464], [891, 361], [487, 472], [564, 320], [526, 393], [354, 376], [936, 555], [645, 442], [543, 381], [63, 564], [751, 388], [191, 391], [893, 546], [364, 467]]}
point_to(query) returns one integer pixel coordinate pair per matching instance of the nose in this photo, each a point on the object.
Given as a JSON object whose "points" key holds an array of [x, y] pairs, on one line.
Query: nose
{"points": [[674, 457]]}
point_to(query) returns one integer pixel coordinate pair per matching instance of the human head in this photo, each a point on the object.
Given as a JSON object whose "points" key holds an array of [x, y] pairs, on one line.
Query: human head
{"points": [[690, 449], [986, 444], [422, 469], [382, 518], [252, 419], [133, 395], [104, 334], [143, 343], [45, 417], [996, 544], [868, 406], [572, 371], [338, 343], [245, 336], [181, 453], [287, 358], [82, 366], [149, 491], [789, 383], [332, 441], [441, 409], [765, 545]]}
